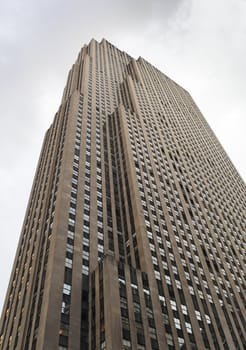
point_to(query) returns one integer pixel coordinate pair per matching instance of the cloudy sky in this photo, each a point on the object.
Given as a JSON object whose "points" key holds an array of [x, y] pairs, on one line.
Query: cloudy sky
{"points": [[200, 44]]}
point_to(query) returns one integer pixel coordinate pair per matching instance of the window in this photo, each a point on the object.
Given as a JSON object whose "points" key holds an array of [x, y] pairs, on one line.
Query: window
{"points": [[66, 289], [188, 327], [68, 263]]}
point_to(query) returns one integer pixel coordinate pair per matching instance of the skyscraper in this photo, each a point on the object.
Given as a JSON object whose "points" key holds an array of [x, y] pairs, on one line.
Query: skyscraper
{"points": [[133, 236]]}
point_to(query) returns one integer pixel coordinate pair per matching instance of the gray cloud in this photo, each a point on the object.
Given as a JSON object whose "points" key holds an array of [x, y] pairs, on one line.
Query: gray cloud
{"points": [[199, 44]]}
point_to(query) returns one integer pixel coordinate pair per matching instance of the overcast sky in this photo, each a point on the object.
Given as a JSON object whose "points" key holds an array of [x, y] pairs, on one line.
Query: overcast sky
{"points": [[200, 44]]}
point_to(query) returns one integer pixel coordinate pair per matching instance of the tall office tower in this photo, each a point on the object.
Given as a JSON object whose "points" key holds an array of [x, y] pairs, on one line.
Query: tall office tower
{"points": [[133, 236]]}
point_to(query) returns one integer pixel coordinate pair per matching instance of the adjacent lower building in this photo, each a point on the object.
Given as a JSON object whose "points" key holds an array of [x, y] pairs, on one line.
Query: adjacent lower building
{"points": [[134, 235]]}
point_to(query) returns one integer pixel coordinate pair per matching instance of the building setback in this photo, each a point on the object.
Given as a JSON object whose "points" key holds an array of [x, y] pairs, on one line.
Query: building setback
{"points": [[133, 236]]}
